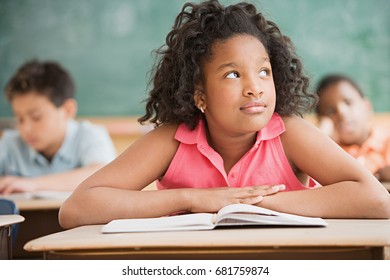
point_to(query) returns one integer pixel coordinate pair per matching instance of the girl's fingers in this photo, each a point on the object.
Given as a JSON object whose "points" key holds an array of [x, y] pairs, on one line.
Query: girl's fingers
{"points": [[251, 200], [275, 189], [262, 190]]}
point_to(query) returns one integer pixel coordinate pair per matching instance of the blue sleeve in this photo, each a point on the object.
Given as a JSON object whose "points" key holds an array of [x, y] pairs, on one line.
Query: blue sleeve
{"points": [[3, 156], [96, 146]]}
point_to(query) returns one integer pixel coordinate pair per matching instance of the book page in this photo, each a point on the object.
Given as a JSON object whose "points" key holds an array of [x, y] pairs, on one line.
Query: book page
{"points": [[199, 221], [256, 219], [244, 214], [243, 208]]}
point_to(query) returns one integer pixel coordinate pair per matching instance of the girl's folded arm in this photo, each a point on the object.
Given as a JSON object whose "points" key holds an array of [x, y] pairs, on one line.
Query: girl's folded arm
{"points": [[115, 190], [348, 189]]}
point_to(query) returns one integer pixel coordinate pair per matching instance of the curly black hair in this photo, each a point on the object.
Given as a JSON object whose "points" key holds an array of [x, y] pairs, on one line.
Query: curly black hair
{"points": [[46, 78], [189, 44]]}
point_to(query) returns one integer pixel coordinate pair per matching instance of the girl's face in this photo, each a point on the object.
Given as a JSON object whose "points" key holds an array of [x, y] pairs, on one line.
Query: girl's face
{"points": [[238, 94]]}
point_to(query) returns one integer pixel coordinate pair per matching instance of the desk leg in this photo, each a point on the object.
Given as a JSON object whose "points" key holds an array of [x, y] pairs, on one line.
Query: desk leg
{"points": [[6, 243], [37, 223], [386, 253]]}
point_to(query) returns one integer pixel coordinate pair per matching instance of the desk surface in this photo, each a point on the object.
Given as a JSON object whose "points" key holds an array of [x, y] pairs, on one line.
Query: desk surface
{"points": [[6, 220], [43, 200], [339, 233]]}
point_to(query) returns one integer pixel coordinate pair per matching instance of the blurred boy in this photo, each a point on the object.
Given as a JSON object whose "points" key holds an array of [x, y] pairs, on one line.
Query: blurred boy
{"points": [[345, 115], [49, 150]]}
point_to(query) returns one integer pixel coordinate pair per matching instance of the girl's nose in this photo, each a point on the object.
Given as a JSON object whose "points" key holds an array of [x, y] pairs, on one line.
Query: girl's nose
{"points": [[253, 87]]}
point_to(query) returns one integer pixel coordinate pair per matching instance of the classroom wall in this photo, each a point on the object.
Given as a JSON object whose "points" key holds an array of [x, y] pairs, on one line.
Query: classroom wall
{"points": [[107, 45]]}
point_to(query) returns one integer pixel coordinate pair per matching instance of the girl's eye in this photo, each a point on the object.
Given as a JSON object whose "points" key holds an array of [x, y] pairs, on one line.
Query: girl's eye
{"points": [[232, 75], [263, 73]]}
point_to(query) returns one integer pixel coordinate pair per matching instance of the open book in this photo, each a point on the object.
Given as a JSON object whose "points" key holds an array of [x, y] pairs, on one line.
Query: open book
{"points": [[231, 215]]}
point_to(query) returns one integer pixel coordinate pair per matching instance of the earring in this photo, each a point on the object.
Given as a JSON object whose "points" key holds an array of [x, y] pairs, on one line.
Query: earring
{"points": [[201, 109]]}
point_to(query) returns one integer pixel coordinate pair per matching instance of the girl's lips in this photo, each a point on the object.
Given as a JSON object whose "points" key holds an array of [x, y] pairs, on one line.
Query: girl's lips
{"points": [[253, 107]]}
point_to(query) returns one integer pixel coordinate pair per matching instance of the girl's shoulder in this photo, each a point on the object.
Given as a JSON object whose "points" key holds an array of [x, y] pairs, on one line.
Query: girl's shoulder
{"points": [[166, 129], [292, 121], [162, 133], [297, 128], [159, 142]]}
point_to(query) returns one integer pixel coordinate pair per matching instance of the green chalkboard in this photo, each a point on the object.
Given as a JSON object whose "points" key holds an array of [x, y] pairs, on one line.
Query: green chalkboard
{"points": [[107, 45]]}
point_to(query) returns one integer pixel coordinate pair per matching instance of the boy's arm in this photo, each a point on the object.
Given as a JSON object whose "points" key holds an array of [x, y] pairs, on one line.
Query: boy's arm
{"points": [[326, 125], [94, 150], [383, 174], [3, 154], [349, 190], [65, 181]]}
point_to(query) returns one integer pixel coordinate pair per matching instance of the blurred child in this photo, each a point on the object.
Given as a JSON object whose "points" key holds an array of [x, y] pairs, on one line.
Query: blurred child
{"points": [[344, 113], [49, 150], [226, 98]]}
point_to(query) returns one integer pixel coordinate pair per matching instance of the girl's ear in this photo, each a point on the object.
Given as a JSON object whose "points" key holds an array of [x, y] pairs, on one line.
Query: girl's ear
{"points": [[70, 108], [199, 98]]}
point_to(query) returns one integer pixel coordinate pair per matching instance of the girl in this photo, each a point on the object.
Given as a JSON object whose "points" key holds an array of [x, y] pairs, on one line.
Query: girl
{"points": [[226, 99]]}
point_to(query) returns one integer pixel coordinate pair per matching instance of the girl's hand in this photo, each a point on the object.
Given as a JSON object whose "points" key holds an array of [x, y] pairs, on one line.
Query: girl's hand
{"points": [[211, 200]]}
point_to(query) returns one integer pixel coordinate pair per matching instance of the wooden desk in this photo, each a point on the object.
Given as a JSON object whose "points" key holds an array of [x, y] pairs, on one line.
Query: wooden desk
{"points": [[41, 218], [341, 239], [6, 222]]}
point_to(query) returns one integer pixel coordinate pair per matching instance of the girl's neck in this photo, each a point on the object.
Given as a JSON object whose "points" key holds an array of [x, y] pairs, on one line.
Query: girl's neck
{"points": [[230, 148]]}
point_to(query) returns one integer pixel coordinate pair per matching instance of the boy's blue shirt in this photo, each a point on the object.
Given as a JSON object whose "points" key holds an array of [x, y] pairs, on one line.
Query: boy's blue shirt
{"points": [[84, 144]]}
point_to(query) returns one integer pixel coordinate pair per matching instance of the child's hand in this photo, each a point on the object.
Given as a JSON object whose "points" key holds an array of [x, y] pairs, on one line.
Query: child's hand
{"points": [[326, 125], [383, 174], [13, 184], [211, 200]]}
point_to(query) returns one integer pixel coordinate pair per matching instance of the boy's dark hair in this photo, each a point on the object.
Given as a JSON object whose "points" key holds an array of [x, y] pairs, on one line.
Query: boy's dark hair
{"points": [[189, 43], [333, 79], [44, 78]]}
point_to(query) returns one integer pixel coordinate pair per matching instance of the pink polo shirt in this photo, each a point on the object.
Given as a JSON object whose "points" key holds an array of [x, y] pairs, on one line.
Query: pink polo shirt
{"points": [[197, 165]]}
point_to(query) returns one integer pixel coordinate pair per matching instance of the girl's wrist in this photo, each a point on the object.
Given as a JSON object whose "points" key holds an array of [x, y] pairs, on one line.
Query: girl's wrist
{"points": [[185, 198]]}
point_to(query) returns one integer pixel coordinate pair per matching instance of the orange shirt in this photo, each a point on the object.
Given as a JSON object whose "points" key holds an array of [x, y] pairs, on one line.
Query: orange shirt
{"points": [[375, 151]]}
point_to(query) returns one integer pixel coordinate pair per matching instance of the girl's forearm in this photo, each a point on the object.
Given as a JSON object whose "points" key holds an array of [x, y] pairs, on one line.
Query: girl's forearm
{"points": [[341, 200], [100, 205]]}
